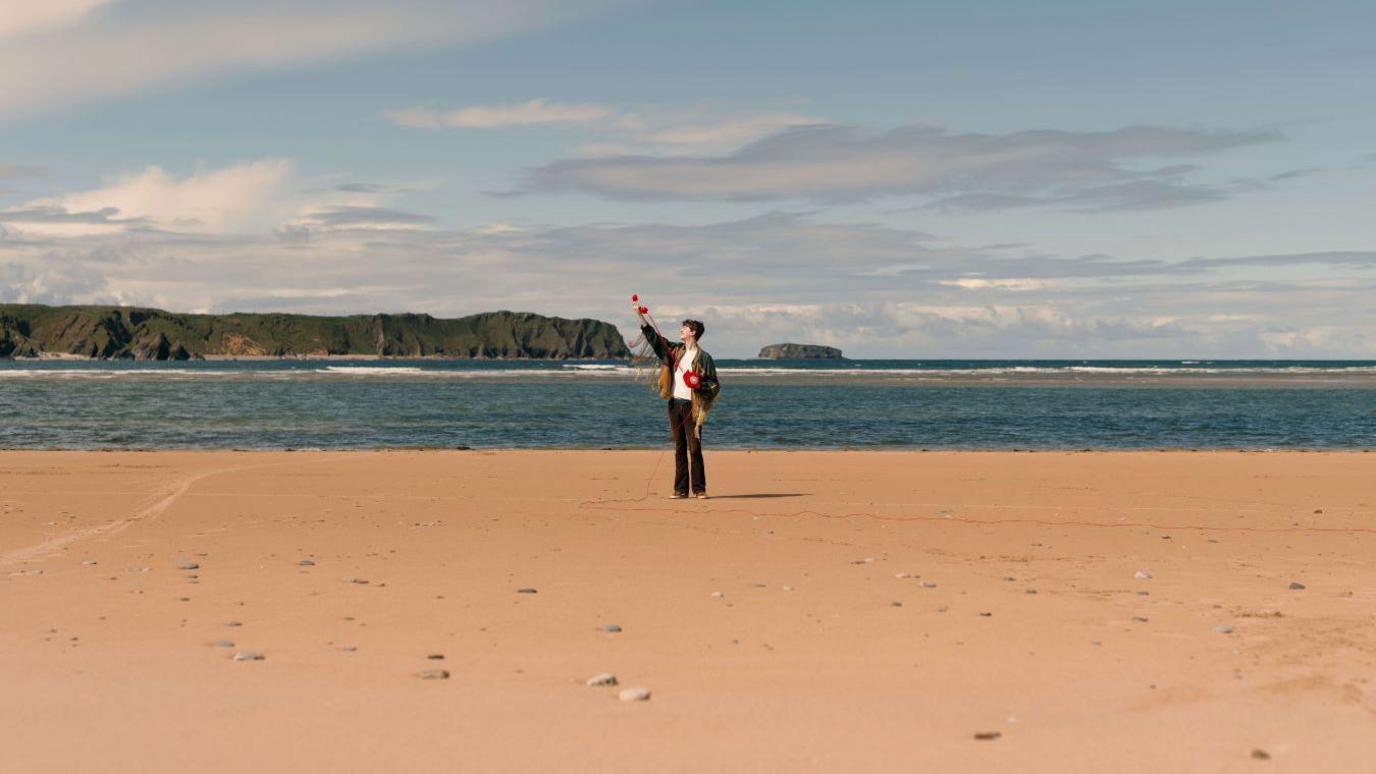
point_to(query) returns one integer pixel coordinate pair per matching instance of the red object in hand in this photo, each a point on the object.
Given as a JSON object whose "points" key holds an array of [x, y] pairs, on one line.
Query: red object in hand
{"points": [[644, 309], [634, 298], [692, 379]]}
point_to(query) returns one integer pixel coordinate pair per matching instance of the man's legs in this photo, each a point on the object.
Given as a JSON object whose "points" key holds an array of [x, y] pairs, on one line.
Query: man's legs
{"points": [[695, 450], [680, 418]]}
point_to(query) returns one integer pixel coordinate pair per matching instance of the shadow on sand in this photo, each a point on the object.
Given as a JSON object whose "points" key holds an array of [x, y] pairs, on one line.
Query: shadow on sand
{"points": [[757, 496]]}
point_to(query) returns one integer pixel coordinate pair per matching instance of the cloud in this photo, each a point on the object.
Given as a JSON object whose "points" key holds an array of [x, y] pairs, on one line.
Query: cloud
{"points": [[29, 17], [839, 164], [608, 131], [870, 289], [1009, 283], [19, 170], [61, 284], [689, 131], [256, 197], [235, 198], [534, 112], [63, 55], [365, 217]]}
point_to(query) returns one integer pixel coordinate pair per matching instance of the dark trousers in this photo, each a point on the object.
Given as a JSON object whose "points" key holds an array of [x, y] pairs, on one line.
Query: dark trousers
{"points": [[686, 442]]}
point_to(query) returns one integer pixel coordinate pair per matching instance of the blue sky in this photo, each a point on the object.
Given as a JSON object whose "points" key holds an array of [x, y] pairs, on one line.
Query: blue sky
{"points": [[997, 179]]}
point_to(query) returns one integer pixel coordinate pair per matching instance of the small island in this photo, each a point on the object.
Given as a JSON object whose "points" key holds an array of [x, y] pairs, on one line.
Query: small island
{"points": [[800, 352]]}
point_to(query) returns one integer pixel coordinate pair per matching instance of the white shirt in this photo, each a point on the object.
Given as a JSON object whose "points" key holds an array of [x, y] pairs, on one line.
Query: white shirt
{"points": [[685, 364]]}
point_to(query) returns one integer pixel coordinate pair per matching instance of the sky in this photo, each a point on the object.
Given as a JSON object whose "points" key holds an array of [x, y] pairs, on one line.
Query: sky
{"points": [[1005, 178]]}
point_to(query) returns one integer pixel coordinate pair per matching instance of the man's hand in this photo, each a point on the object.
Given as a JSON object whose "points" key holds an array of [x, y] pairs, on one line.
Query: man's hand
{"points": [[635, 307]]}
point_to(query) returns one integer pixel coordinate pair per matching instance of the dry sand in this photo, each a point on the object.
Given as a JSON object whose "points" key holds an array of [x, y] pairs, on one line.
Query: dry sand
{"points": [[876, 612]]}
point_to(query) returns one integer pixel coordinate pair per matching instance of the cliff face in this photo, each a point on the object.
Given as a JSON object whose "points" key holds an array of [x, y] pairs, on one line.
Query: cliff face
{"points": [[800, 352], [29, 330]]}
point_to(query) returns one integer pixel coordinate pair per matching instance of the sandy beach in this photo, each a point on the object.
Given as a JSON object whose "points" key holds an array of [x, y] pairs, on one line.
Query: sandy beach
{"points": [[824, 611]]}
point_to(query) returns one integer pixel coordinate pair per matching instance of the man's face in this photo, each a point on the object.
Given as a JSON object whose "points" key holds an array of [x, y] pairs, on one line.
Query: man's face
{"points": [[686, 334]]}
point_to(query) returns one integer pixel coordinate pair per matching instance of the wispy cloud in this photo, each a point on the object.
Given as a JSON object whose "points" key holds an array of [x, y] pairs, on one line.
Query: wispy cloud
{"points": [[21, 17], [534, 112], [256, 197], [60, 53], [830, 163], [19, 170], [609, 131]]}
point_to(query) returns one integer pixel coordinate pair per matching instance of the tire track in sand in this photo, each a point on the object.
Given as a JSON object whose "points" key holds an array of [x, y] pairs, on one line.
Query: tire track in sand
{"points": [[161, 500]]}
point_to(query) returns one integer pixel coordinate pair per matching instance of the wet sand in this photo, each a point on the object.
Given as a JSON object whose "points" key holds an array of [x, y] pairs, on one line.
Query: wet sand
{"points": [[825, 611]]}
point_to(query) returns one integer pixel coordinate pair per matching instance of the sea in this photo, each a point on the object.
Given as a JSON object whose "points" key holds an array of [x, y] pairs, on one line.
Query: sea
{"points": [[851, 404]]}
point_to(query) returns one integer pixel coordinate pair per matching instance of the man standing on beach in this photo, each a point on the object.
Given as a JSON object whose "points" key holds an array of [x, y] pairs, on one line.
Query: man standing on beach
{"points": [[688, 380]]}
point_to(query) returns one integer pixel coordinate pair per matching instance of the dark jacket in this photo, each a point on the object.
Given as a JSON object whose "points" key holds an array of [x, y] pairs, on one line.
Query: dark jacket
{"points": [[669, 353]]}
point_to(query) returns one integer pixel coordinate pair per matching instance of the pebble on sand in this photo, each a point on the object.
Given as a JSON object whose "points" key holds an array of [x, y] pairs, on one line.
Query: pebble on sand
{"points": [[307, 563], [1142, 575], [1296, 586], [222, 644], [1223, 629], [433, 674], [928, 584], [527, 590], [87, 562], [901, 575], [233, 623], [985, 736], [248, 655], [436, 656], [601, 679], [717, 595], [187, 564], [1260, 754], [634, 694], [610, 628]]}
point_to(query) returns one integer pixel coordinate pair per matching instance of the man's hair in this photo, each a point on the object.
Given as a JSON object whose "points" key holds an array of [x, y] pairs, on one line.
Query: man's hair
{"points": [[697, 327]]}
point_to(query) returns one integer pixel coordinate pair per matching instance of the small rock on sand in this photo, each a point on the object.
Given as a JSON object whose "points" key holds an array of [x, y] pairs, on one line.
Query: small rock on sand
{"points": [[307, 562], [187, 564], [717, 595], [601, 679], [233, 623], [986, 736], [1261, 755], [901, 575], [436, 656], [248, 655], [1223, 629], [634, 694], [1142, 575], [87, 562], [527, 590], [1296, 586], [433, 674], [610, 628], [222, 644], [928, 584]]}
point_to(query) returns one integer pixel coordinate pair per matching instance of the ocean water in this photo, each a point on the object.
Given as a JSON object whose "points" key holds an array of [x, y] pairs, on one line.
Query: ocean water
{"points": [[932, 404]]}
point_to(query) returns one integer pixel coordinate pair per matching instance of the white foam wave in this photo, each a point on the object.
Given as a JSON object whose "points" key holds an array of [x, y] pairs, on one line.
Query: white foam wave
{"points": [[373, 370]]}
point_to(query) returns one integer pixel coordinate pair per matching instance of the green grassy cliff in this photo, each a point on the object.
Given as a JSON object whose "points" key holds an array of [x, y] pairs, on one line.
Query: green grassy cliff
{"points": [[31, 330]]}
